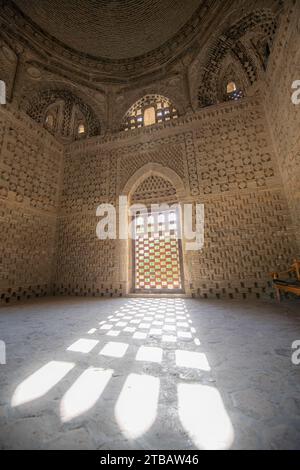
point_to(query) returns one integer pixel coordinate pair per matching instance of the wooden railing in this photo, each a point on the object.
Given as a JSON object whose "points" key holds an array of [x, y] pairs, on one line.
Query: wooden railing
{"points": [[290, 284]]}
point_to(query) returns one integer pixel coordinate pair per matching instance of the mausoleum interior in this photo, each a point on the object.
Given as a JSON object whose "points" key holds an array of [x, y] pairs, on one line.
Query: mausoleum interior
{"points": [[150, 224]]}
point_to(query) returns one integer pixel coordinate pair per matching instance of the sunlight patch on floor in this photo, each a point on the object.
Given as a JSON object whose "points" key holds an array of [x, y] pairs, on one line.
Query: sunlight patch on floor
{"points": [[136, 407], [149, 354], [83, 345], [203, 416], [84, 393], [192, 360], [114, 349], [40, 382]]}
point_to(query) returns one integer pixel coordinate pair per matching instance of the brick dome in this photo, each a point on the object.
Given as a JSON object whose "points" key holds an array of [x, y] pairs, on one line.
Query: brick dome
{"points": [[112, 29]]}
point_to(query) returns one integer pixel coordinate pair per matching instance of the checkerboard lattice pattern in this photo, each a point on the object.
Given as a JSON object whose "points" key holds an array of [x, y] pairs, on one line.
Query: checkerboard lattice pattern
{"points": [[157, 261]]}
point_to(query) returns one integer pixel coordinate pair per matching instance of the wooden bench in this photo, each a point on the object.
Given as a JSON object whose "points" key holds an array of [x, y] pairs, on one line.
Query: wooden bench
{"points": [[287, 285]]}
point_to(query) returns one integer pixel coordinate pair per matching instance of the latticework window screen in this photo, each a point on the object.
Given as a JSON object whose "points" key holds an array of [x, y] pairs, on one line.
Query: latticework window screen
{"points": [[149, 110], [157, 252]]}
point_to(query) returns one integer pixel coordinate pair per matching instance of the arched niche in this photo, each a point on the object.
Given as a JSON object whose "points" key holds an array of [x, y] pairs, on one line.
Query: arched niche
{"points": [[135, 182]]}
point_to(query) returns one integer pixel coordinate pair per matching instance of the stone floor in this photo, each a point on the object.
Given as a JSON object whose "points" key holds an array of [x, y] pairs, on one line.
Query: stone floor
{"points": [[149, 374]]}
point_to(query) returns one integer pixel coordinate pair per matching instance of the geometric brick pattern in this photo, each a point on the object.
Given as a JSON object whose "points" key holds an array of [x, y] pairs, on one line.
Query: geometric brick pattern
{"points": [[246, 236], [168, 25], [284, 116], [27, 253], [88, 181], [227, 162], [115, 29], [67, 111], [157, 262], [234, 153], [154, 189], [167, 154], [192, 164], [248, 56], [86, 265], [248, 230], [223, 154], [30, 166]]}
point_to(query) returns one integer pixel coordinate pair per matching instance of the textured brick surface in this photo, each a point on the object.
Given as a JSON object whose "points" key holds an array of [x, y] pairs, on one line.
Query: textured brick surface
{"points": [[246, 236], [284, 116], [241, 159], [153, 189], [226, 160], [30, 167], [115, 30]]}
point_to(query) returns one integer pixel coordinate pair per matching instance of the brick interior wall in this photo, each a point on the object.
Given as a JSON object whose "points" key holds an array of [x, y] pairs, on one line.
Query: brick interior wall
{"points": [[225, 157], [240, 159], [31, 162], [284, 116]]}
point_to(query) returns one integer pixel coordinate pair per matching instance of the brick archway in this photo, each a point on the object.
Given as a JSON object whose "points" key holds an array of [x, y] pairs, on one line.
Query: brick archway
{"points": [[134, 182], [154, 169]]}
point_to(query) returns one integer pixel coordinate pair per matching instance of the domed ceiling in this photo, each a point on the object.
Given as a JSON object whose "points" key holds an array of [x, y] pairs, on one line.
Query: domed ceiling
{"points": [[112, 29]]}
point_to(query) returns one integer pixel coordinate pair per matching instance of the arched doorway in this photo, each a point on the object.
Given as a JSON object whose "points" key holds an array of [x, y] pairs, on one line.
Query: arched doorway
{"points": [[155, 254]]}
